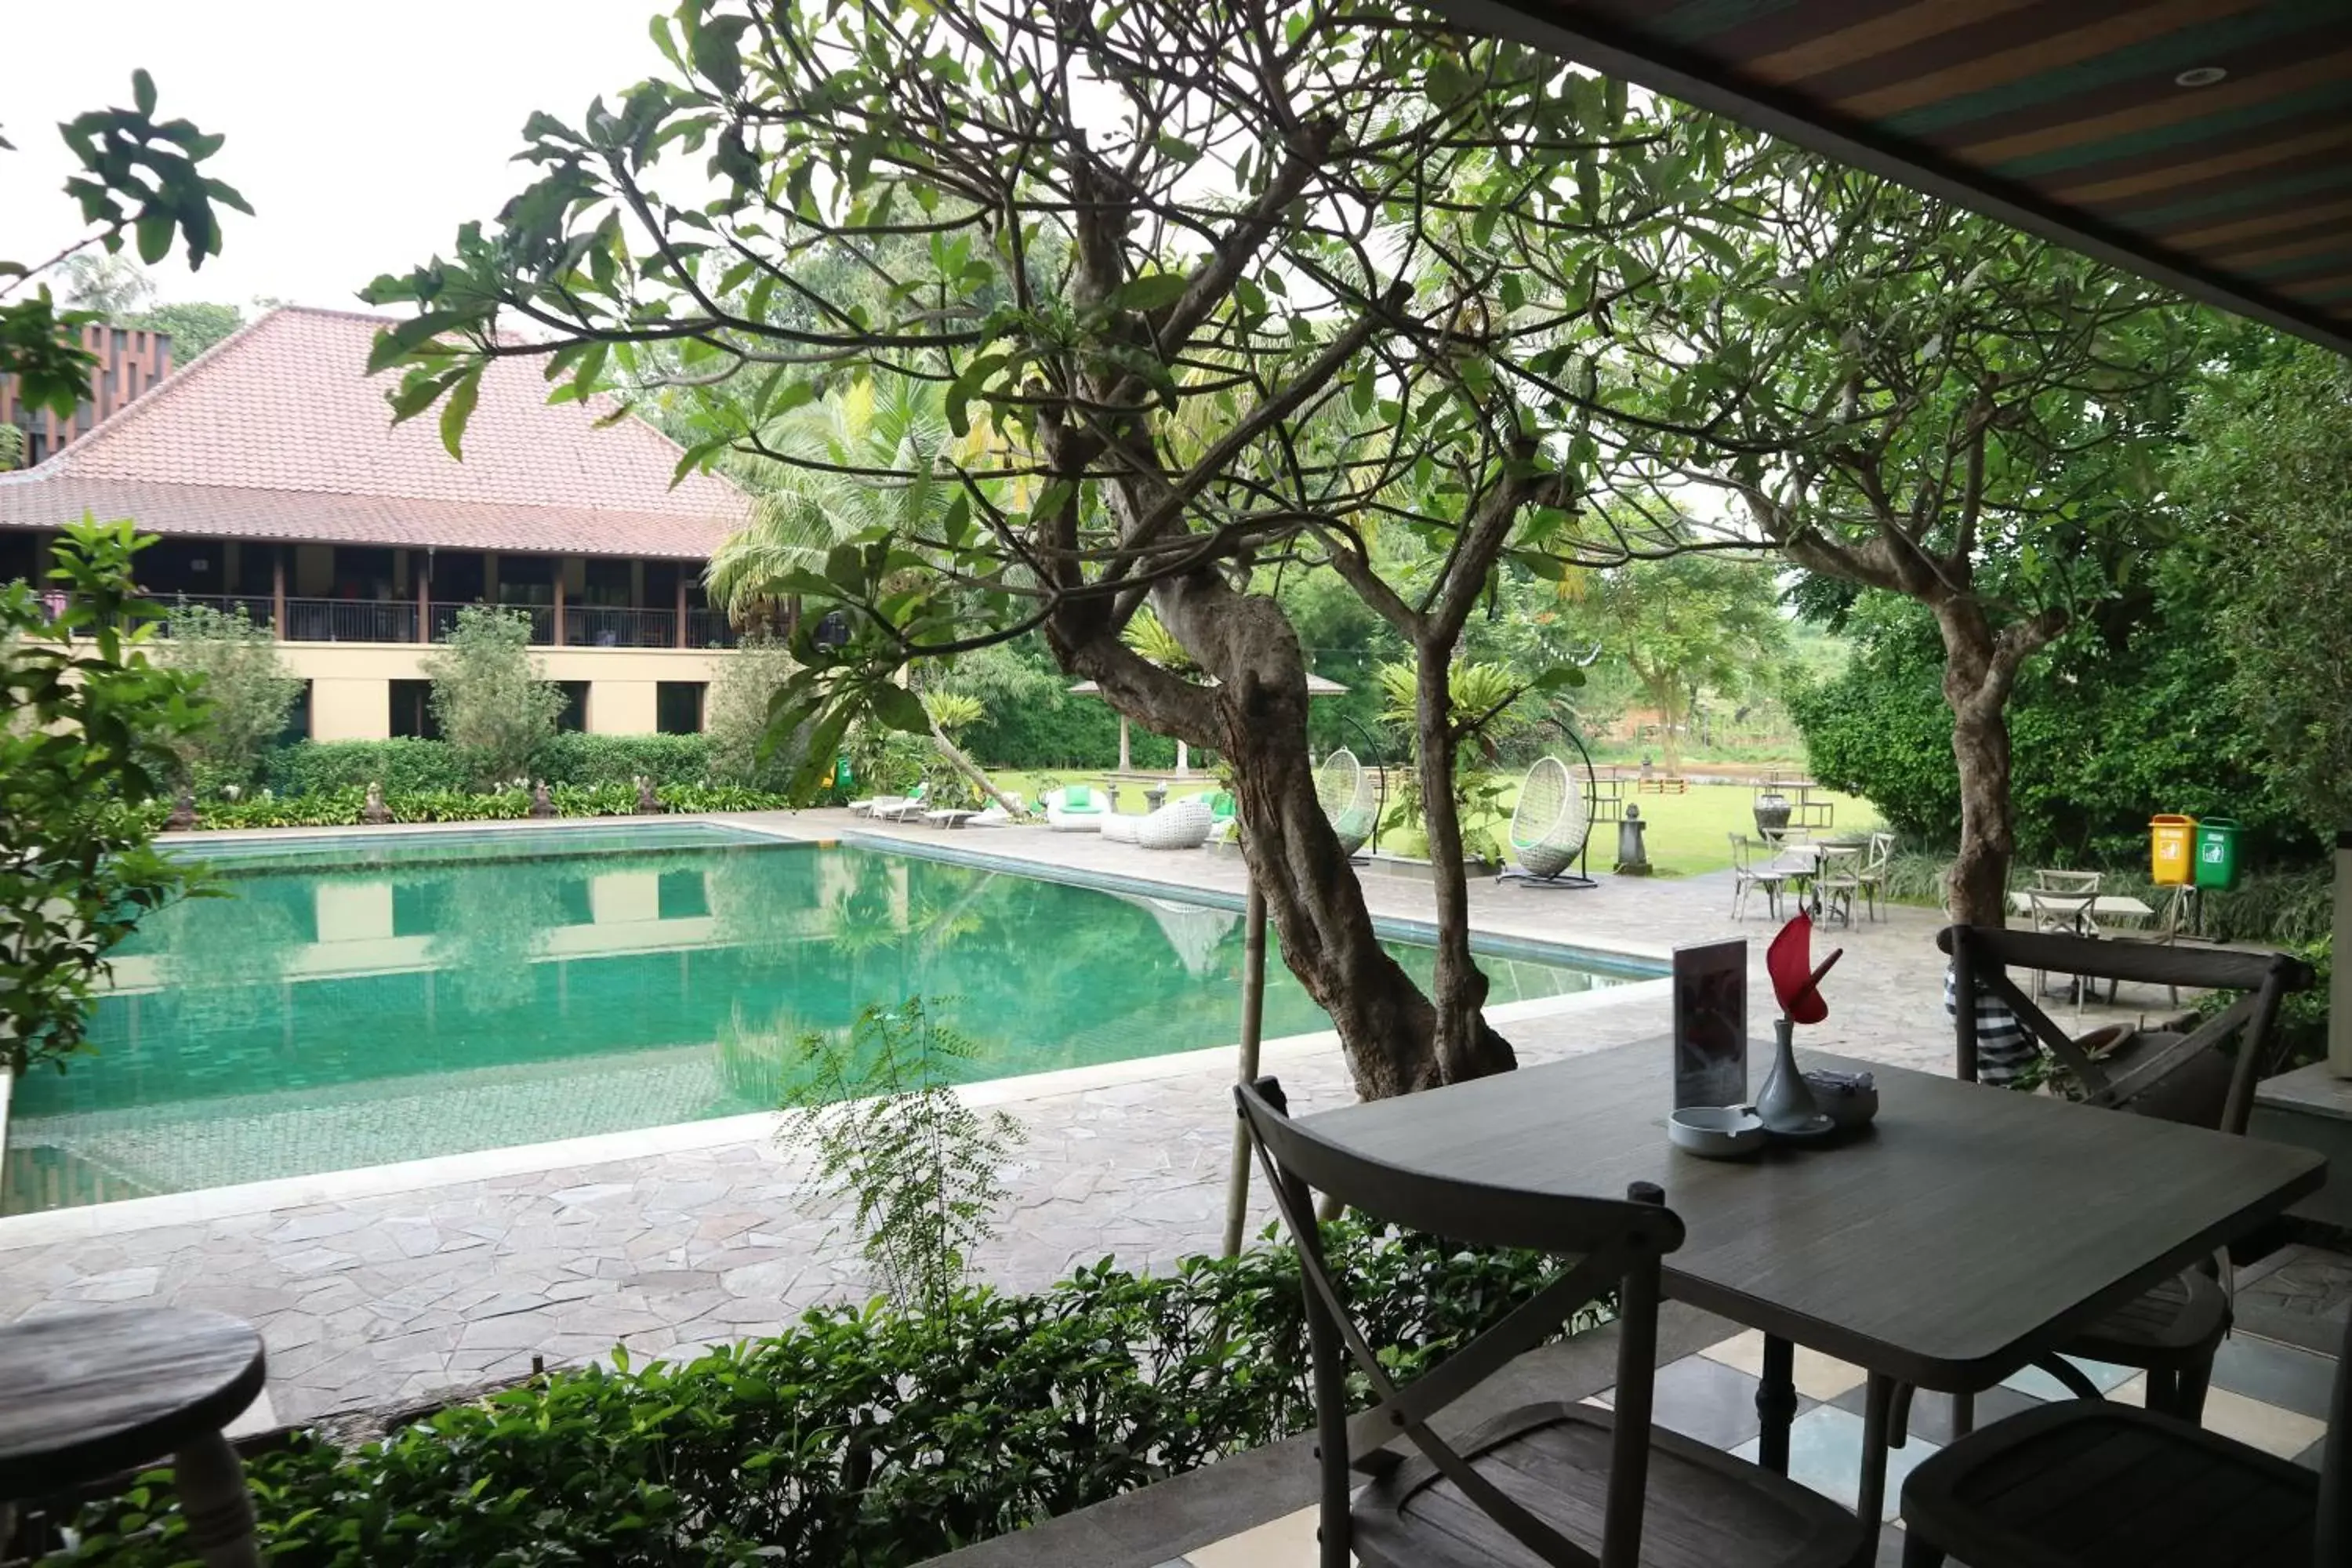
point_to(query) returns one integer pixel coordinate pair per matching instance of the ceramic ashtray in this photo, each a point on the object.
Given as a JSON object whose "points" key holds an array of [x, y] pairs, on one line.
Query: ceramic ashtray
{"points": [[1848, 1098], [1717, 1131]]}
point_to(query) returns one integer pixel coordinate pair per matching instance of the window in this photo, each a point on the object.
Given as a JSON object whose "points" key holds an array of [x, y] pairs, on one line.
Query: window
{"points": [[574, 719], [411, 710], [681, 895], [16, 552], [417, 908], [607, 583], [677, 707], [527, 580]]}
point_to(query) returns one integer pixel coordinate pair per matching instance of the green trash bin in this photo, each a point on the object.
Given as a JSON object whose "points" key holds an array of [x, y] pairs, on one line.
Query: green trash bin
{"points": [[2217, 854]]}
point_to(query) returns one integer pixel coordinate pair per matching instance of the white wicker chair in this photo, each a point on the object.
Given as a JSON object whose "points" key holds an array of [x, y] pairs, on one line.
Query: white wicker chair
{"points": [[1347, 794], [1085, 814], [1120, 827], [1552, 820], [1179, 824]]}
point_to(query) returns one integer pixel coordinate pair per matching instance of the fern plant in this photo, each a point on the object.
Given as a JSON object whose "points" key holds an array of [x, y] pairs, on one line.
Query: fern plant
{"points": [[920, 1169]]}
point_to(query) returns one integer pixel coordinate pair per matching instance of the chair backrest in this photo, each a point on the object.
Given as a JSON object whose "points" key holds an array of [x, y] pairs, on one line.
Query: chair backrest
{"points": [[1882, 851], [1743, 852], [2054, 881], [1982, 955], [2068, 913], [1617, 1243], [1839, 862]]}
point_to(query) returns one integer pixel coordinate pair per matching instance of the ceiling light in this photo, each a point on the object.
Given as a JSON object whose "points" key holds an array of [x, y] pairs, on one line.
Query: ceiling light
{"points": [[2200, 76]]}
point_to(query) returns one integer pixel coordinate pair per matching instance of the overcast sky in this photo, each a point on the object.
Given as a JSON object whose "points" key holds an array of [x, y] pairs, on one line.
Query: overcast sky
{"points": [[362, 136]]}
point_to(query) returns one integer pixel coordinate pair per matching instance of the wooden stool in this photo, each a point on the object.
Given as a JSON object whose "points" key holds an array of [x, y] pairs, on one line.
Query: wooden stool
{"points": [[83, 1397]]}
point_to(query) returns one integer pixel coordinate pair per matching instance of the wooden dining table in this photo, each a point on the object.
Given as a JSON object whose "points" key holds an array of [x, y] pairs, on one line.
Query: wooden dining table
{"points": [[1967, 1230]]}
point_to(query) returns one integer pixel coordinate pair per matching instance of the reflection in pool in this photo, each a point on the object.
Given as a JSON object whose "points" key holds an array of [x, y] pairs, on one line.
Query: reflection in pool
{"points": [[449, 994]]}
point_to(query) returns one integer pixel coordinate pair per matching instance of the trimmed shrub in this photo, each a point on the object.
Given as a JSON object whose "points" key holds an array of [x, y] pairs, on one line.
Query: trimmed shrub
{"points": [[871, 1437], [403, 767], [410, 766], [342, 807], [589, 761]]}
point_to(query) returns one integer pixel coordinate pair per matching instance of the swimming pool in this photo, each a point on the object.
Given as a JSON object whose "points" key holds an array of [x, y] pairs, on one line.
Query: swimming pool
{"points": [[365, 999]]}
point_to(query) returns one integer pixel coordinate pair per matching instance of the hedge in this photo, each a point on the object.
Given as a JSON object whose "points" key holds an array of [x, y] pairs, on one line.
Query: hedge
{"points": [[342, 807], [867, 1439], [413, 766]]}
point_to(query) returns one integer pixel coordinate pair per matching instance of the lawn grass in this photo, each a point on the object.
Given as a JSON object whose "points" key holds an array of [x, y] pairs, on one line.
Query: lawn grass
{"points": [[1688, 834]]}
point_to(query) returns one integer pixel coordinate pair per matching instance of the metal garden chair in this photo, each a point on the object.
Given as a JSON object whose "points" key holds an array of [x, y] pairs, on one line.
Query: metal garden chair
{"points": [[2080, 1484], [1745, 874], [1562, 1485], [2173, 1329]]}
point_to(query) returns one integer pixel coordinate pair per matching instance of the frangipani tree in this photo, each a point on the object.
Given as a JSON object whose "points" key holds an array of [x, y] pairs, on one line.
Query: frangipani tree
{"points": [[1229, 286], [1901, 395]]}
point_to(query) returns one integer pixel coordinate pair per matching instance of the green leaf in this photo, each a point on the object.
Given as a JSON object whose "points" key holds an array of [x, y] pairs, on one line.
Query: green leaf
{"points": [[1150, 292], [458, 410], [143, 92], [718, 52], [900, 708], [965, 387]]}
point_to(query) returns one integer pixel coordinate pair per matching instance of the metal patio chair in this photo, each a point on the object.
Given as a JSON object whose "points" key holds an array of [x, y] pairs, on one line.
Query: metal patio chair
{"points": [[1562, 1484], [2173, 1329], [1745, 874], [2081, 1484]]}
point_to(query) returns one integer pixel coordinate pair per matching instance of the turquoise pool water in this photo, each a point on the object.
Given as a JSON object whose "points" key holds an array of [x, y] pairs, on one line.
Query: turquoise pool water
{"points": [[365, 1000]]}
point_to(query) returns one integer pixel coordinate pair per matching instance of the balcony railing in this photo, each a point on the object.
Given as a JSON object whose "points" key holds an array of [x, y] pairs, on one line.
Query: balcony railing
{"points": [[394, 621], [611, 625], [349, 620], [542, 620], [259, 608]]}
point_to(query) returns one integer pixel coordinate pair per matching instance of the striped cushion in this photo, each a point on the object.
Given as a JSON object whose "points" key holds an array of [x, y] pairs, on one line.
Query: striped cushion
{"points": [[2006, 1050]]}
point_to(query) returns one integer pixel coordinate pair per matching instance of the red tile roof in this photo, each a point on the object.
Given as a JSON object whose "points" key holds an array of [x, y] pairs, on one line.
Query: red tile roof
{"points": [[278, 433]]}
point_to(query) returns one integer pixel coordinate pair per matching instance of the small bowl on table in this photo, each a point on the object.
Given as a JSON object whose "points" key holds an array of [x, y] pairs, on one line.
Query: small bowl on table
{"points": [[1717, 1131], [1848, 1099]]}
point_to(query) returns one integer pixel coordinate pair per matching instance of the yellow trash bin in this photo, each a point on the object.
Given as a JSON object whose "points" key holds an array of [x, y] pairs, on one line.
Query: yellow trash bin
{"points": [[2168, 839]]}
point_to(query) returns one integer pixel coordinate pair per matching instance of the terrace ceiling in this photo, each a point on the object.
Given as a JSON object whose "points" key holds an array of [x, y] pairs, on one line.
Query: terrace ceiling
{"points": [[2204, 143]]}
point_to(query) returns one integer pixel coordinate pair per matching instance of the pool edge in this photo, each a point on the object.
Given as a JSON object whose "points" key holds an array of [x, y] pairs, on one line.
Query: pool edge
{"points": [[52, 1226]]}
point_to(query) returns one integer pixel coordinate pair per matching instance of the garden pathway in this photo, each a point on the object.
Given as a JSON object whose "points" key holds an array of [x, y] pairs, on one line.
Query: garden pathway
{"points": [[371, 1299]]}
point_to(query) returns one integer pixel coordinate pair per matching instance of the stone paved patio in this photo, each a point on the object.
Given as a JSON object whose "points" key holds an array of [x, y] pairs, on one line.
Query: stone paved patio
{"points": [[375, 1298]]}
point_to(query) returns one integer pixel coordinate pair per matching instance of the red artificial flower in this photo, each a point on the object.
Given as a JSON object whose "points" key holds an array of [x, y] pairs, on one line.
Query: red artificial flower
{"points": [[1795, 981]]}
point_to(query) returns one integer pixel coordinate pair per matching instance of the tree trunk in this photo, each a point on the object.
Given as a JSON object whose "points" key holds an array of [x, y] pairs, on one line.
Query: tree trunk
{"points": [[963, 764], [1670, 745], [1976, 681], [1466, 1046], [1255, 717]]}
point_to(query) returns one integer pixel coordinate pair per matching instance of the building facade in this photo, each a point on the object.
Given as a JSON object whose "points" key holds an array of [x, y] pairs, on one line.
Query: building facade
{"points": [[277, 483]]}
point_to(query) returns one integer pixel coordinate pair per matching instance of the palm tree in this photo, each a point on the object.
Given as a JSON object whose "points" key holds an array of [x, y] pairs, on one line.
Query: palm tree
{"points": [[890, 459], [889, 456]]}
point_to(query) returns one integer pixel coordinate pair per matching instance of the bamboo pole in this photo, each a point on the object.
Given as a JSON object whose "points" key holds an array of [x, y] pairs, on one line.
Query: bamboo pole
{"points": [[1253, 1017]]}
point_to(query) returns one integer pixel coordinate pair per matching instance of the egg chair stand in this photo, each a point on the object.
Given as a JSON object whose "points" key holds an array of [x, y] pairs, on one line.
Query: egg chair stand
{"points": [[1552, 828]]}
